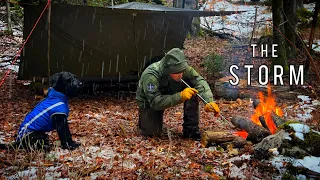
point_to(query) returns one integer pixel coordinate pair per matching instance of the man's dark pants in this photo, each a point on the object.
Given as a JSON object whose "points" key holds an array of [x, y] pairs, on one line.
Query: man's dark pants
{"points": [[150, 120]]}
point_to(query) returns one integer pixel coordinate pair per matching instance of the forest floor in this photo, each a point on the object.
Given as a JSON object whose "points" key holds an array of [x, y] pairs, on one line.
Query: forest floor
{"points": [[112, 148]]}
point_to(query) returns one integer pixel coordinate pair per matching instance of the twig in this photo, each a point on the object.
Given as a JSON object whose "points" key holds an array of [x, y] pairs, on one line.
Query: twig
{"points": [[253, 29]]}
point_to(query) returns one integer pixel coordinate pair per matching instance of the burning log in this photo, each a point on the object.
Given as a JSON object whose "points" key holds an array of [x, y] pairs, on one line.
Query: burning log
{"points": [[255, 133], [276, 119], [210, 137]]}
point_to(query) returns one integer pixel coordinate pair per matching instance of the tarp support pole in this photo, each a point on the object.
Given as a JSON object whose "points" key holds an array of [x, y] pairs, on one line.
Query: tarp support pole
{"points": [[49, 37]]}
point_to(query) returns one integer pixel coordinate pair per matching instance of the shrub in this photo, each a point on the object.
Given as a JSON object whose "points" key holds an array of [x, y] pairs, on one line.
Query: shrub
{"points": [[214, 64]]}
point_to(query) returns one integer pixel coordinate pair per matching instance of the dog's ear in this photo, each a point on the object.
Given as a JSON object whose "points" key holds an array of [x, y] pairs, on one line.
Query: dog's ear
{"points": [[56, 81]]}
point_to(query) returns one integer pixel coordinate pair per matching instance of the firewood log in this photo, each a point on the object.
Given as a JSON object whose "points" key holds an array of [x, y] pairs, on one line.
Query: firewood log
{"points": [[255, 103], [210, 137], [255, 132], [263, 122], [277, 119], [238, 142]]}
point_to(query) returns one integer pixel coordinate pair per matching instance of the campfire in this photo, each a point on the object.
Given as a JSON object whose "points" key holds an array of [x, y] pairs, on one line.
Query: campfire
{"points": [[264, 111], [265, 120]]}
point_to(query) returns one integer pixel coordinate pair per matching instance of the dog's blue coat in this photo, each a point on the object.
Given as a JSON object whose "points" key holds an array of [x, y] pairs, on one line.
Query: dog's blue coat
{"points": [[39, 119]]}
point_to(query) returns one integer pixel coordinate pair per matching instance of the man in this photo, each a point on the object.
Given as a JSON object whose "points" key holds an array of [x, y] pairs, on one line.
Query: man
{"points": [[49, 114], [160, 87]]}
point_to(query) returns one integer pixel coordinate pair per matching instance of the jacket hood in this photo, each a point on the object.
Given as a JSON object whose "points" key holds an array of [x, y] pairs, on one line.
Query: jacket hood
{"points": [[174, 61]]}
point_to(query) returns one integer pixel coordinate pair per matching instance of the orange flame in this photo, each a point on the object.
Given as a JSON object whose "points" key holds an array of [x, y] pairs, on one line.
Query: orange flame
{"points": [[242, 134], [265, 108]]}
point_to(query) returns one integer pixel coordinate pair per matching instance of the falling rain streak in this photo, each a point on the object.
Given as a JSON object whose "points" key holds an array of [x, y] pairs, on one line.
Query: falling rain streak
{"points": [[94, 15], [82, 69], [138, 36], [164, 41], [109, 66], [151, 49], [87, 68], [76, 14], [80, 56], [100, 26], [102, 69], [117, 62], [144, 61]]}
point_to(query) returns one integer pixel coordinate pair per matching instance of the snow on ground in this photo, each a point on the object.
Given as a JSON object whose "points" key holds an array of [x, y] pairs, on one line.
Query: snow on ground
{"points": [[303, 110], [241, 24], [310, 162]]}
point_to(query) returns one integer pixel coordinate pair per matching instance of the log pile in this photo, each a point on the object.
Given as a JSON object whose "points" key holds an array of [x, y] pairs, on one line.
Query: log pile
{"points": [[223, 138], [255, 132]]}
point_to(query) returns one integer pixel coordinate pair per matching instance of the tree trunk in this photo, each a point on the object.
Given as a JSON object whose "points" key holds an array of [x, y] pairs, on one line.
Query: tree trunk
{"points": [[290, 11], [190, 4], [9, 25], [177, 3], [278, 38], [49, 38], [313, 28]]}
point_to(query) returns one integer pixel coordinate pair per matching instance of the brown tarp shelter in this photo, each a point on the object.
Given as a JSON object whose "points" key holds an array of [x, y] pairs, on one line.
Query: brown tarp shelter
{"points": [[102, 44]]}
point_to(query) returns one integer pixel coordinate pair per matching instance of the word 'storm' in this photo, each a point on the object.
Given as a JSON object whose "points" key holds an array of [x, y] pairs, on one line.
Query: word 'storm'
{"points": [[264, 73]]}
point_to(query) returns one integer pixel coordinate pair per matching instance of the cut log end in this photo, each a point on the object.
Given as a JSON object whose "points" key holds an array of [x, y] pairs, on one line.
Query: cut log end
{"points": [[211, 137]]}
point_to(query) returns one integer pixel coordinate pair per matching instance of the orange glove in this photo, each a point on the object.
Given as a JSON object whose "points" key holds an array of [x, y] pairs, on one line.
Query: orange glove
{"points": [[187, 93], [212, 107]]}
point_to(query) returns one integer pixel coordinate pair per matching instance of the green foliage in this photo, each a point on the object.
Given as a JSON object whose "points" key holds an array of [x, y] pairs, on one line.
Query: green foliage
{"points": [[188, 35], [100, 3], [201, 33], [214, 64], [305, 17], [311, 140], [18, 11], [268, 2], [219, 148], [288, 176], [208, 168]]}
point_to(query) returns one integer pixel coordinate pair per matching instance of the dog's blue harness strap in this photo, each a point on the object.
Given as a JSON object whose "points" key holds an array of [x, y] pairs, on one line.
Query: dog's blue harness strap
{"points": [[39, 119]]}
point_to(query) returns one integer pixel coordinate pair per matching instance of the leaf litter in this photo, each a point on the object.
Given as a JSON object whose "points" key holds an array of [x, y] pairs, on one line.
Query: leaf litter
{"points": [[112, 147]]}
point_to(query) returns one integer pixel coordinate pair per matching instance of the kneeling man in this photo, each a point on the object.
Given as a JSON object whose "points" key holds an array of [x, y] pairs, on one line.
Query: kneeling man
{"points": [[160, 87]]}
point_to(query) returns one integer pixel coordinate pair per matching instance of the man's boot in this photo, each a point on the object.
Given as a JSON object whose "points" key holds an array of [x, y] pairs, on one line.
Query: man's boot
{"points": [[192, 132], [191, 119]]}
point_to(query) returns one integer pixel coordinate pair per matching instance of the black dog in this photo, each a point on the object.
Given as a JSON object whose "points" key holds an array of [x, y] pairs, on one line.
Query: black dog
{"points": [[51, 113]]}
